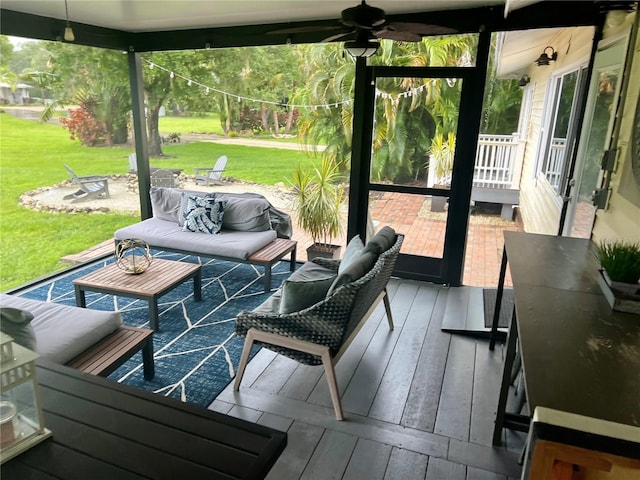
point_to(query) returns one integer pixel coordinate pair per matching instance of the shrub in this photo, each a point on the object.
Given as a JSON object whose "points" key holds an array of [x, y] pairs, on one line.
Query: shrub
{"points": [[82, 125]]}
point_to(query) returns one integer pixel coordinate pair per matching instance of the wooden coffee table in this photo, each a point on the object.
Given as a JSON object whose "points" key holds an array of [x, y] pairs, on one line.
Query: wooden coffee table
{"points": [[161, 277]]}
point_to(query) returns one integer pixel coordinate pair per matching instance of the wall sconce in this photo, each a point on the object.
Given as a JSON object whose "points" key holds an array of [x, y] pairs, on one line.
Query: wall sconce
{"points": [[545, 59], [68, 31], [524, 80]]}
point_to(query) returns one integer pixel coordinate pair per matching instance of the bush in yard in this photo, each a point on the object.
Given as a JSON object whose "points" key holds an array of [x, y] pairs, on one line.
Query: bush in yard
{"points": [[83, 125]]}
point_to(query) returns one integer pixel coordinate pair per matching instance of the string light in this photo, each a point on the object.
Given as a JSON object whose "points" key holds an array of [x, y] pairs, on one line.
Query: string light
{"points": [[240, 98], [380, 94]]}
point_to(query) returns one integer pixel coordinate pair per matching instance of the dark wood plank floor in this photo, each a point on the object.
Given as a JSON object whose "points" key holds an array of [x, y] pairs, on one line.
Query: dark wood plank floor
{"points": [[418, 402]]}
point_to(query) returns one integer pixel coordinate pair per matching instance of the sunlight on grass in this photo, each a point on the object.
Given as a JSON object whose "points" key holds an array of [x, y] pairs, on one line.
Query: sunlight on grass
{"points": [[33, 154]]}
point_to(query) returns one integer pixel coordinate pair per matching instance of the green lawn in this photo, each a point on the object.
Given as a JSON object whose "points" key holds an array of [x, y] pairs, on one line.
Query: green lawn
{"points": [[33, 155]]}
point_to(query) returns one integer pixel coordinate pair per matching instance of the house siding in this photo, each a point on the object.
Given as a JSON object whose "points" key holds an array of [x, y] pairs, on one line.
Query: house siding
{"points": [[540, 205], [621, 220]]}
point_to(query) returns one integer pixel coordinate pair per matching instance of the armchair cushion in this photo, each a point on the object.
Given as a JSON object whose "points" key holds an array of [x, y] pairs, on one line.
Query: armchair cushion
{"points": [[305, 287], [351, 253], [356, 270], [381, 241]]}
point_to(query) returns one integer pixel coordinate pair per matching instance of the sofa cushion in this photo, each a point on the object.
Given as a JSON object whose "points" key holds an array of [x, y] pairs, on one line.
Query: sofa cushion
{"points": [[63, 332], [226, 244], [358, 269], [305, 287], [15, 322], [381, 241], [203, 214], [354, 248], [246, 214], [165, 203]]}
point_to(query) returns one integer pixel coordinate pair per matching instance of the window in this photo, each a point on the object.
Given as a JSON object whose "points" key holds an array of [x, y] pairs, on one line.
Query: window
{"points": [[559, 123]]}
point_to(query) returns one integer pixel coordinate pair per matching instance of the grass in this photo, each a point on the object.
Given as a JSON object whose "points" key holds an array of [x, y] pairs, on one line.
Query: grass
{"points": [[205, 123], [32, 155]]}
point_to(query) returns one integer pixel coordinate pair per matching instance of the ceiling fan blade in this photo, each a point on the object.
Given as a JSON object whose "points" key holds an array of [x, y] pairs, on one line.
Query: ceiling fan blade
{"points": [[398, 36], [306, 29], [419, 28], [338, 36]]}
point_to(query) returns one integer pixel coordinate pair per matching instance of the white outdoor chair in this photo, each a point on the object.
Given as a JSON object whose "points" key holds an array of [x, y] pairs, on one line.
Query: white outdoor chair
{"points": [[212, 176]]}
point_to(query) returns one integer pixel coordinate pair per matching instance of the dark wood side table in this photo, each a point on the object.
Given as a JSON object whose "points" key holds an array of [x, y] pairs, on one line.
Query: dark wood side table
{"points": [[161, 277], [104, 430], [578, 355]]}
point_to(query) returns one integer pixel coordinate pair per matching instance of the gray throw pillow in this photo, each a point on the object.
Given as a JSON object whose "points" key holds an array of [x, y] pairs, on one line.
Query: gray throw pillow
{"points": [[358, 269], [165, 203], [298, 295], [354, 248], [246, 214], [16, 322], [203, 214], [381, 241], [305, 287]]}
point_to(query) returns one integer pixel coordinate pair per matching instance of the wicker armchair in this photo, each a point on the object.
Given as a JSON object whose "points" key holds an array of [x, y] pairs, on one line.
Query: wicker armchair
{"points": [[321, 333]]}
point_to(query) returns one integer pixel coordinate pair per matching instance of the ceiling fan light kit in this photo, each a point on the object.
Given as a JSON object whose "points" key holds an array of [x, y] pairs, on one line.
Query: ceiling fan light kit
{"points": [[361, 48]]}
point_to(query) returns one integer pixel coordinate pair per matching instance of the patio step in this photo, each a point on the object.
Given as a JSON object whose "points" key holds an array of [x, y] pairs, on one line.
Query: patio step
{"points": [[93, 253]]}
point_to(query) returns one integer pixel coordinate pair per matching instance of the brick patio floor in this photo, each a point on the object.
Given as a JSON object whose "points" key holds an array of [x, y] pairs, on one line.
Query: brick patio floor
{"points": [[425, 236]]}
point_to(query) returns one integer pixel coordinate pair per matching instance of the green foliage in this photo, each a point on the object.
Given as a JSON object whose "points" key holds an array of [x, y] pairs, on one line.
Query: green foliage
{"points": [[6, 51], [317, 201], [442, 152], [621, 260]]}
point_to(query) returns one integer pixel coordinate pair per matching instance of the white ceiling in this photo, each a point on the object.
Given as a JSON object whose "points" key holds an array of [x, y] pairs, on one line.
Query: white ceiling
{"points": [[150, 15]]}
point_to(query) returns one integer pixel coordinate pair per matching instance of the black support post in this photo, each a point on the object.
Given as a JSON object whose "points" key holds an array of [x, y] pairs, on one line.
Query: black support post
{"points": [[136, 82]]}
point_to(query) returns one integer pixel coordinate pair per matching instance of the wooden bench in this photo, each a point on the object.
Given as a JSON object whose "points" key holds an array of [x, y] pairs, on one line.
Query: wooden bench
{"points": [[271, 254], [112, 351]]}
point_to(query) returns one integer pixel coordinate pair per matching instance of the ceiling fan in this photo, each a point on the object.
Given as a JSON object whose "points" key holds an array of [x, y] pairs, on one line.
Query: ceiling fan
{"points": [[370, 22]]}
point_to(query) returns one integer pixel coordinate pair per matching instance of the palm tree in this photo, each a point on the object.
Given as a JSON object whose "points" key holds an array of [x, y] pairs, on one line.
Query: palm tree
{"points": [[399, 152]]}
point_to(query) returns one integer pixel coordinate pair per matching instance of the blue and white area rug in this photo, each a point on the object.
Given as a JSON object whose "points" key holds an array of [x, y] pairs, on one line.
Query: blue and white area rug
{"points": [[196, 350]]}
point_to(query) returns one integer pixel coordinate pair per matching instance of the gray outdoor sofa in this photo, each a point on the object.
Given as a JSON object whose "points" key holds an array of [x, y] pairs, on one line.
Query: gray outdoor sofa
{"points": [[93, 341], [249, 225]]}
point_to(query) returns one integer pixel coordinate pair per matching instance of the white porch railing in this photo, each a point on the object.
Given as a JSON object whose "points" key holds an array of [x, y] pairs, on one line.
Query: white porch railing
{"points": [[555, 164], [496, 162]]}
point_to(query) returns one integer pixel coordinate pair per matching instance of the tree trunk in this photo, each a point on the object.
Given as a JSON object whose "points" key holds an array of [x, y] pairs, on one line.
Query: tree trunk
{"points": [[289, 123], [276, 125], [153, 131], [264, 117]]}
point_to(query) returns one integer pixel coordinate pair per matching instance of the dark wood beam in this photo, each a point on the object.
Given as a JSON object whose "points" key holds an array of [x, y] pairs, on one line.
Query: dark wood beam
{"points": [[538, 15], [45, 28]]}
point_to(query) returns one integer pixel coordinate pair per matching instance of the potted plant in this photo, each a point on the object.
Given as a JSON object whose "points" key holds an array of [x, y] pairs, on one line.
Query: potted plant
{"points": [[441, 156], [620, 263], [316, 203]]}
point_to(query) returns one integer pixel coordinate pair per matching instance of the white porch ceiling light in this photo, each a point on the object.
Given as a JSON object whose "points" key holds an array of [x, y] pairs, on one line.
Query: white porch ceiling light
{"points": [[68, 31], [362, 49], [362, 46]]}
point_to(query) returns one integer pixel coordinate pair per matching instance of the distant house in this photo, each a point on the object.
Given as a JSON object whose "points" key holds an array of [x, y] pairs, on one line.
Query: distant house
{"points": [[18, 95]]}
